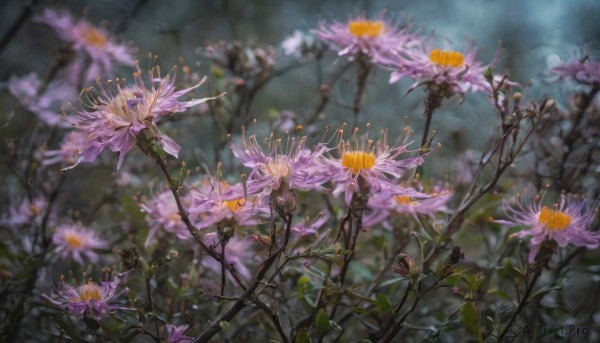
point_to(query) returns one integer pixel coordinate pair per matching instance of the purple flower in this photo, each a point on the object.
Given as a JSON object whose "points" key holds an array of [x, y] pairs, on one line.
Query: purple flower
{"points": [[445, 72], [117, 115], [162, 213], [75, 242], [27, 212], [293, 44], [45, 106], [581, 70], [223, 204], [95, 42], [90, 299], [311, 227], [70, 149], [381, 40], [410, 202], [567, 222], [363, 162], [298, 167], [176, 334], [237, 252]]}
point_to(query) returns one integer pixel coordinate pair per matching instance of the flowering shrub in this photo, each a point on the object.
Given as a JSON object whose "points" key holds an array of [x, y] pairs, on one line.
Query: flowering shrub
{"points": [[235, 218]]}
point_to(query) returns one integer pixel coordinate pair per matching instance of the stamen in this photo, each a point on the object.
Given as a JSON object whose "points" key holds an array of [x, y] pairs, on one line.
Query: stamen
{"points": [[554, 219], [361, 28], [74, 240], [95, 37], [235, 205], [403, 200], [278, 167], [358, 160], [89, 291], [453, 59]]}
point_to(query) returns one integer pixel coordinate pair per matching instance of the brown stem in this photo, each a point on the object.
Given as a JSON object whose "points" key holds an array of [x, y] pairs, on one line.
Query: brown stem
{"points": [[522, 304], [249, 294], [151, 305]]}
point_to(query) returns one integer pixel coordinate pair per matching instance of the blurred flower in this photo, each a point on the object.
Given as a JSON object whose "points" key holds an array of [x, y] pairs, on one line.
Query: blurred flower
{"points": [[162, 213], [248, 66], [70, 149], [383, 41], [363, 162], [417, 203], [27, 212], [90, 299], [117, 115], [298, 167], [311, 227], [293, 44], [581, 70], [176, 334], [95, 42], [73, 241], [45, 106], [567, 222], [504, 87], [221, 203], [443, 72], [237, 252], [298, 44]]}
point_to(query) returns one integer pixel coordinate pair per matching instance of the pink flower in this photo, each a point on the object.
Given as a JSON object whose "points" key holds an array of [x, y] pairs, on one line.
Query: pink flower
{"points": [[75, 242], [90, 299], [70, 149], [567, 222], [27, 212], [95, 42], [298, 167], [117, 115], [45, 106], [293, 44], [176, 334], [237, 252], [410, 202], [581, 70], [162, 214], [381, 40], [445, 72], [364, 162], [223, 204], [311, 227]]}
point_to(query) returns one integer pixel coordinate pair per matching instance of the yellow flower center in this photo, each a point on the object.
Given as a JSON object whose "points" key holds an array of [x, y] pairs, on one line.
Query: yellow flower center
{"points": [[278, 167], [131, 106], [235, 205], [175, 217], [403, 200], [74, 240], [35, 210], [361, 28], [89, 291], [554, 219], [94, 37], [452, 59], [358, 160]]}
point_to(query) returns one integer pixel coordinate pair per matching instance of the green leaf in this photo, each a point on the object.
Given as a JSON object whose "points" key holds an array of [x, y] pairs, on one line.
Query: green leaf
{"points": [[471, 320], [224, 325], [303, 336], [552, 286], [359, 310], [392, 281], [500, 294], [383, 303], [322, 322]]}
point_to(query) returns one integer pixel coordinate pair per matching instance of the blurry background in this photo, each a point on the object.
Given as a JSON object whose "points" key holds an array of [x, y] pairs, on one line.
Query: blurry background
{"points": [[530, 32]]}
